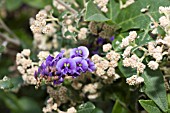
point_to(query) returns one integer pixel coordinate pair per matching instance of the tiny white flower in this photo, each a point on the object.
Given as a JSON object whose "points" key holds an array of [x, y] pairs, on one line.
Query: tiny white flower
{"points": [[107, 47], [153, 65]]}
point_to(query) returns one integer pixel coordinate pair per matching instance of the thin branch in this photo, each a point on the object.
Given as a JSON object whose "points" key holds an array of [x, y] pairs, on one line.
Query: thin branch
{"points": [[67, 7], [5, 27], [11, 40]]}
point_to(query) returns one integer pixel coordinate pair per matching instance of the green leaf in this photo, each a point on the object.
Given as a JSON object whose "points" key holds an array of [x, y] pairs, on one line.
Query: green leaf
{"points": [[38, 3], [28, 105], [93, 13], [17, 82], [131, 17], [11, 101], [126, 71], [97, 110], [149, 106], [2, 49], [114, 9], [6, 83], [154, 87], [13, 4], [86, 108], [118, 108]]}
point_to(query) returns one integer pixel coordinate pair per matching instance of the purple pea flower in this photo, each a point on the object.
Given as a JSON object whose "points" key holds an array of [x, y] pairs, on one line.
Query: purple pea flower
{"points": [[112, 38], [57, 58], [81, 51], [81, 63], [91, 66], [66, 66]]}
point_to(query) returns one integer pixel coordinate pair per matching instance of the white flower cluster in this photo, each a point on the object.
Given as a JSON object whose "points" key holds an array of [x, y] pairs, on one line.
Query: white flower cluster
{"points": [[82, 33], [102, 5], [58, 6], [134, 80], [92, 90], [156, 52], [126, 41], [51, 107], [43, 30], [105, 68], [26, 66], [107, 47], [165, 23], [134, 62], [153, 65]]}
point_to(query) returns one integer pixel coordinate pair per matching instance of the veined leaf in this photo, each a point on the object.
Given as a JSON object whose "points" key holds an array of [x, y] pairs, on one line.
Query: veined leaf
{"points": [[154, 88], [131, 17], [93, 13], [119, 108], [149, 106]]}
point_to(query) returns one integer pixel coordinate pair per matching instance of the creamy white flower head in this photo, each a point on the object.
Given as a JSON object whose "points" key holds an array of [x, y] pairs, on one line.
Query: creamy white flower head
{"points": [[165, 10], [134, 80], [83, 33], [157, 56], [111, 72], [43, 55], [132, 36], [116, 76], [127, 62], [158, 49], [113, 63], [153, 65], [89, 88], [139, 80], [42, 14], [93, 96], [104, 64], [125, 42], [96, 58], [160, 41], [49, 29], [72, 110], [100, 71], [131, 80], [26, 52], [127, 51], [151, 47], [167, 40], [140, 67], [102, 5], [112, 55], [107, 47], [21, 69], [134, 60], [164, 21]]}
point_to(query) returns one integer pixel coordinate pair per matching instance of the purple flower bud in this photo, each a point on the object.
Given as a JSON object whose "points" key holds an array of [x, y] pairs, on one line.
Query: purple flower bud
{"points": [[57, 58], [112, 38], [81, 51]]}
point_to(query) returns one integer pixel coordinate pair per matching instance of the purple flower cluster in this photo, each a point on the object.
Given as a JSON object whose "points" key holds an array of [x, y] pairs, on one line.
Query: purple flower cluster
{"points": [[56, 69]]}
